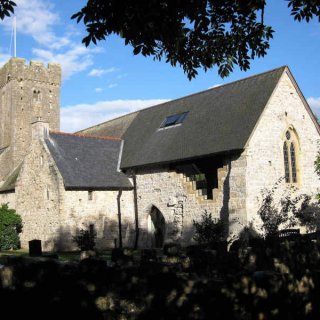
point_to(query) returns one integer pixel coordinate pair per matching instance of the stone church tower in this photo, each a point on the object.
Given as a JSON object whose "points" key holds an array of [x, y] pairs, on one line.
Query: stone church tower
{"points": [[27, 93]]}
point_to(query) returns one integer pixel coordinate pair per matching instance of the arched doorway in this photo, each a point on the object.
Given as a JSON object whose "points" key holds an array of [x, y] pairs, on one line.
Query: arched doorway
{"points": [[156, 227]]}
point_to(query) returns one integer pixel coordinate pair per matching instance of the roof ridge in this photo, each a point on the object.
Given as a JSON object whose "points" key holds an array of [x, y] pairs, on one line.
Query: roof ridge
{"points": [[218, 87], [187, 96], [85, 135]]}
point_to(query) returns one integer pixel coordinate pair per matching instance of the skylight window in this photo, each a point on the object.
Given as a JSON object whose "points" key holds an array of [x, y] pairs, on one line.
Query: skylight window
{"points": [[174, 120]]}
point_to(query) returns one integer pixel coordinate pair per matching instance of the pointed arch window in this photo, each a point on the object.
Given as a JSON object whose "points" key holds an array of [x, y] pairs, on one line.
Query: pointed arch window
{"points": [[290, 148]]}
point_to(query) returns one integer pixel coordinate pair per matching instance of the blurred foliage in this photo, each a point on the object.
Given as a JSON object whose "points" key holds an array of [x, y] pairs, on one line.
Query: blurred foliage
{"points": [[207, 230], [85, 239], [287, 209], [192, 34], [278, 280], [10, 227], [6, 8]]}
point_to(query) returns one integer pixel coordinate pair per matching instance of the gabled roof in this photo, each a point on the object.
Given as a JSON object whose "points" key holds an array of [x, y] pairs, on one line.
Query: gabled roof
{"points": [[219, 120], [10, 183], [87, 162], [2, 150]]}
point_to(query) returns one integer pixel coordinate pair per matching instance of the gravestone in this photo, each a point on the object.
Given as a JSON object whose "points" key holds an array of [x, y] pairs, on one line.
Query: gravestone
{"points": [[35, 249]]}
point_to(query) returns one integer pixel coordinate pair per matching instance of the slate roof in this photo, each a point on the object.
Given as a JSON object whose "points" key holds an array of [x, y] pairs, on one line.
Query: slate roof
{"points": [[219, 120], [10, 183], [2, 150], [88, 163]]}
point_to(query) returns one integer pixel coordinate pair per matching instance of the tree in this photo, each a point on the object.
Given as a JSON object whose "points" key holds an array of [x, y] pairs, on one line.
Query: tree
{"points": [[207, 231], [317, 169], [10, 227], [6, 8], [191, 33]]}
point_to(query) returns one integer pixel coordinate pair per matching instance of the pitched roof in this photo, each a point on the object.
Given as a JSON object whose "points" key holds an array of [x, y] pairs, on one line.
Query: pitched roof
{"points": [[219, 120], [88, 163], [10, 183], [2, 150]]}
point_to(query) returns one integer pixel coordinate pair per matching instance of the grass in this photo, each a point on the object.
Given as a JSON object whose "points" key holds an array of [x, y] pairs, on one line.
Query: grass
{"points": [[63, 256], [17, 253]]}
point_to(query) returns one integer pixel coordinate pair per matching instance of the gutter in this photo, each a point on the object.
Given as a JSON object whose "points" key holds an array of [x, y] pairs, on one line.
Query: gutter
{"points": [[119, 217], [136, 216]]}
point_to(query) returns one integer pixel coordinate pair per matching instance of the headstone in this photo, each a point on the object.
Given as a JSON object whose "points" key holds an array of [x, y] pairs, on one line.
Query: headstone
{"points": [[35, 249]]}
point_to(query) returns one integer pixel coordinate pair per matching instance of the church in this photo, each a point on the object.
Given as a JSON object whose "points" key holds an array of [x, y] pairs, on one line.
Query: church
{"points": [[154, 171]]}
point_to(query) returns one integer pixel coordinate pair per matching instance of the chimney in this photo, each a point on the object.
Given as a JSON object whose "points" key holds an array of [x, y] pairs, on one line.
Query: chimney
{"points": [[40, 129]]}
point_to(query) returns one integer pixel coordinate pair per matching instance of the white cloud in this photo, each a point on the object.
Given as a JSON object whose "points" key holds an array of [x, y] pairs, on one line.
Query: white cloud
{"points": [[100, 72], [314, 104], [215, 85], [39, 20], [112, 85], [77, 117], [4, 58], [73, 60], [98, 89]]}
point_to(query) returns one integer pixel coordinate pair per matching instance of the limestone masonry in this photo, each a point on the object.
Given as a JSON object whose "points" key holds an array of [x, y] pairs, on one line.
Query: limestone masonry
{"points": [[158, 169]]}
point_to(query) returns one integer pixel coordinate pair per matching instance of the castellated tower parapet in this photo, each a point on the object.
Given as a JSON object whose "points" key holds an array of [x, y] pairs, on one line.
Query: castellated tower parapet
{"points": [[27, 92]]}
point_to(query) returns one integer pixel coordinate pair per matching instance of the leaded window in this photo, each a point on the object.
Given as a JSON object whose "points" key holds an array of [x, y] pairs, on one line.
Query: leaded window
{"points": [[290, 157], [286, 162], [293, 163]]}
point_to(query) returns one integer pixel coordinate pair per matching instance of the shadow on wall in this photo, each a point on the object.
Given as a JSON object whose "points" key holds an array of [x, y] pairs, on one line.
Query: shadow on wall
{"points": [[109, 237], [224, 212], [155, 235]]}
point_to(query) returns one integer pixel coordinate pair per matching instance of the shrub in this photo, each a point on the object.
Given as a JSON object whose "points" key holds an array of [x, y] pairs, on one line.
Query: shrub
{"points": [[10, 227], [286, 212], [247, 234], [85, 239], [317, 164], [207, 230]]}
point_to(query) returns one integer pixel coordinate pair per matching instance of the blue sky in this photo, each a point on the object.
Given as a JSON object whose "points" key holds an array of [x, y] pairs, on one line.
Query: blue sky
{"points": [[105, 81]]}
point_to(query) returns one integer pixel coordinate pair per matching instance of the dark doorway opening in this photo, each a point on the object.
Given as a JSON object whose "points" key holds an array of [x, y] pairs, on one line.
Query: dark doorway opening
{"points": [[157, 227]]}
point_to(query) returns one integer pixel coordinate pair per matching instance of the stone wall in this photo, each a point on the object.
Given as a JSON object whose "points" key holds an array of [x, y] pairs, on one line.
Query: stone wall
{"points": [[78, 212], [54, 215], [265, 148], [9, 198], [26, 93], [38, 194], [180, 205]]}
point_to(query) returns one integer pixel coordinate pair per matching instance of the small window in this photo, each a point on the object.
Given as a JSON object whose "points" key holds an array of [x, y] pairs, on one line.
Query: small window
{"points": [[48, 194], [36, 95], [174, 120], [90, 195]]}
